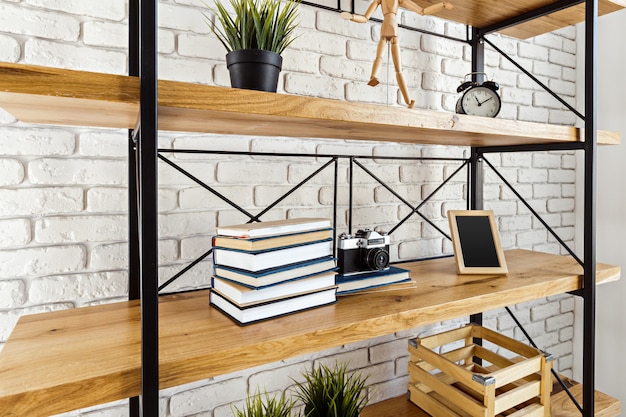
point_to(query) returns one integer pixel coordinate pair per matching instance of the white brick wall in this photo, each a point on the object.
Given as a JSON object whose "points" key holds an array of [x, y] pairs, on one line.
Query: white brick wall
{"points": [[63, 191]]}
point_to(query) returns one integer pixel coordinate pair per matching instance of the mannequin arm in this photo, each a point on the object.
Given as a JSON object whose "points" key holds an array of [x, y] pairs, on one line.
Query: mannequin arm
{"points": [[361, 18], [435, 8], [353, 17]]}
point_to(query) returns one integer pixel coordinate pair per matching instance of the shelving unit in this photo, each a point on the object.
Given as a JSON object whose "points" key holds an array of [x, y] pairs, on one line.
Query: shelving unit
{"points": [[60, 361]]}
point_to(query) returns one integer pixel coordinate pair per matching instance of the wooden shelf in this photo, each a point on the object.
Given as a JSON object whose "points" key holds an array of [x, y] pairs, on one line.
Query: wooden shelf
{"points": [[484, 13], [64, 360], [65, 97], [561, 404]]}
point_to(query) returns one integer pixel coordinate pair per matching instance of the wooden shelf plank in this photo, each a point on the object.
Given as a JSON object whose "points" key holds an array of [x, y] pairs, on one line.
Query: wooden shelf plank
{"points": [[59, 361], [484, 13], [35, 94], [561, 405], [55, 96]]}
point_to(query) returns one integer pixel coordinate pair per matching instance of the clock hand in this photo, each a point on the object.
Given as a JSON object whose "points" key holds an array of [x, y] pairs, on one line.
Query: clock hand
{"points": [[478, 101], [483, 102]]}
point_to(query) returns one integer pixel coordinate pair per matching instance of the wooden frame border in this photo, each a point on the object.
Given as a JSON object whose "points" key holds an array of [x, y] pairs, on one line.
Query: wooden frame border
{"points": [[458, 250]]}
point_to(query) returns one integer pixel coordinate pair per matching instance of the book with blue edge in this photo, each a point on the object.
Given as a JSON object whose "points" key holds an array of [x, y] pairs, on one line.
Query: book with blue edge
{"points": [[242, 295], [276, 275], [347, 284], [272, 258], [243, 314]]}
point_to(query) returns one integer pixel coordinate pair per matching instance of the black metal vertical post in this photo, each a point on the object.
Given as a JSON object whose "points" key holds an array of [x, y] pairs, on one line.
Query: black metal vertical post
{"points": [[589, 282], [476, 180], [148, 236], [350, 173], [478, 55], [335, 196], [475, 198], [134, 288], [133, 195], [475, 191]]}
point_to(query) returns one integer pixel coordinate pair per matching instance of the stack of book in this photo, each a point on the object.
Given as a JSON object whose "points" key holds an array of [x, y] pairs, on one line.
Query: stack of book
{"points": [[268, 269]]}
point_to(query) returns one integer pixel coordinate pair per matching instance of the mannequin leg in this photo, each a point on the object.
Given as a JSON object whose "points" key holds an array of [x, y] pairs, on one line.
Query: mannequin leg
{"points": [[380, 50], [395, 54]]}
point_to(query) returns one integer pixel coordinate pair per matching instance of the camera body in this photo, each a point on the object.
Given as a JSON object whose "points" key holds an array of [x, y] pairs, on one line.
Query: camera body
{"points": [[366, 251]]}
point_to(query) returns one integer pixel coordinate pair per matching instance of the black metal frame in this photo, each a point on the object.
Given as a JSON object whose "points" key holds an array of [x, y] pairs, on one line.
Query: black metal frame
{"points": [[333, 159], [143, 156], [251, 217]]}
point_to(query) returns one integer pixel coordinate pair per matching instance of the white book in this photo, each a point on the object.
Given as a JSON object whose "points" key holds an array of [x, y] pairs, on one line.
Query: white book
{"points": [[256, 312], [259, 261], [276, 275], [273, 228], [240, 294]]}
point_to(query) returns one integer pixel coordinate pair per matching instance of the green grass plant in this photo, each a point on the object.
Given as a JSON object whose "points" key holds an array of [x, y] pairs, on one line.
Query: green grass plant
{"points": [[265, 406], [332, 392], [257, 24]]}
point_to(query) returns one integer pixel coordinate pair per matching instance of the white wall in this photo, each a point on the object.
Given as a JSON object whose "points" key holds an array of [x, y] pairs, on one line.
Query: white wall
{"points": [[611, 206], [63, 190]]}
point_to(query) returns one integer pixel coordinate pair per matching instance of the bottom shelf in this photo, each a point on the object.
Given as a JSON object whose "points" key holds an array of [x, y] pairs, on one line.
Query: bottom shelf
{"points": [[562, 406]]}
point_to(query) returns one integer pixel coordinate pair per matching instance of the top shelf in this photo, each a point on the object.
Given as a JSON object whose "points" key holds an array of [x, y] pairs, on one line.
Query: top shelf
{"points": [[65, 97], [487, 13]]}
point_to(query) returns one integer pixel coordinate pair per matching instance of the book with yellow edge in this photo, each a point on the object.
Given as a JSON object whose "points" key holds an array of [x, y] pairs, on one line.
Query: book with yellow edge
{"points": [[270, 242]]}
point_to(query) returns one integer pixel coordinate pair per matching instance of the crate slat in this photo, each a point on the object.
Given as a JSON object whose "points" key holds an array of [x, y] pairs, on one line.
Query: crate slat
{"points": [[517, 371], [533, 410], [449, 367], [433, 406], [517, 396], [466, 402]]}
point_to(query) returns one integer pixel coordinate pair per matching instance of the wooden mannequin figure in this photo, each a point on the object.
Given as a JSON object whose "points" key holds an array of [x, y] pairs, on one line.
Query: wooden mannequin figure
{"points": [[389, 33]]}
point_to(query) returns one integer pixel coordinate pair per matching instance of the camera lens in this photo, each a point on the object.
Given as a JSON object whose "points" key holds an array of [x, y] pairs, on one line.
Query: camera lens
{"points": [[377, 259]]}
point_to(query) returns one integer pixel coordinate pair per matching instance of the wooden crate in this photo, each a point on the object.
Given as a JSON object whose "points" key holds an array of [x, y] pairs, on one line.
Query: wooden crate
{"points": [[469, 380]]}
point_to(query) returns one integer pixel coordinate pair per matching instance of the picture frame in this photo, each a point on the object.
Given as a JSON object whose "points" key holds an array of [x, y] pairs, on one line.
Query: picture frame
{"points": [[476, 242]]}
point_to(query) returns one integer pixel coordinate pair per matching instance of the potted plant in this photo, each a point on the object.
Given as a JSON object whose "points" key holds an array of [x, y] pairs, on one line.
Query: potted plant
{"points": [[254, 39], [332, 392], [265, 406]]}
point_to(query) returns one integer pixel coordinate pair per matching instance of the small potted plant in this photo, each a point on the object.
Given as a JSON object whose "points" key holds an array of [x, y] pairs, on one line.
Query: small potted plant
{"points": [[254, 39], [332, 392], [265, 406]]}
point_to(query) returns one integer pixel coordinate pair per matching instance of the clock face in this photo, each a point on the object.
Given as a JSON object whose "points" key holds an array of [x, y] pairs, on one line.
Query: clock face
{"points": [[481, 101]]}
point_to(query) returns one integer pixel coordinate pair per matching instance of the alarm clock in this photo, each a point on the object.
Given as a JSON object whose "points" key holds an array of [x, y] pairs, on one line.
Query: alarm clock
{"points": [[479, 99]]}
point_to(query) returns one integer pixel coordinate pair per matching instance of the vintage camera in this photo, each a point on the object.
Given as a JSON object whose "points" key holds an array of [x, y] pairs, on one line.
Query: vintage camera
{"points": [[366, 251]]}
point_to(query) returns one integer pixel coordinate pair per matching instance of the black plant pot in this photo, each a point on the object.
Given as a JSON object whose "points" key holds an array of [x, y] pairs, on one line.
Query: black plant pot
{"points": [[254, 69]]}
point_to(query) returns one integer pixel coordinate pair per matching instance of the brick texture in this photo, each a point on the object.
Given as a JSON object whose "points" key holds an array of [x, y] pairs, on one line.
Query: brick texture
{"points": [[63, 191]]}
